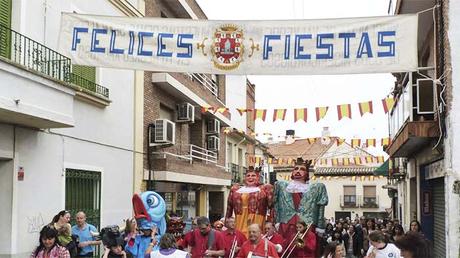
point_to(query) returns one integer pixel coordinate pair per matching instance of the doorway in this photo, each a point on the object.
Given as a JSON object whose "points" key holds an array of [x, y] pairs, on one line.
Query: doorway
{"points": [[216, 206]]}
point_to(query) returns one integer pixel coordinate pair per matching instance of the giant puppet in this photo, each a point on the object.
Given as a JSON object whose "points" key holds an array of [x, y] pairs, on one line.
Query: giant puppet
{"points": [[250, 202], [299, 200], [149, 211]]}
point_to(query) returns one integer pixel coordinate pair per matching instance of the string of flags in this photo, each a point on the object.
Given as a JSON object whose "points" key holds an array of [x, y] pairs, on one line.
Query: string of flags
{"points": [[301, 114], [347, 161], [328, 178], [371, 142]]}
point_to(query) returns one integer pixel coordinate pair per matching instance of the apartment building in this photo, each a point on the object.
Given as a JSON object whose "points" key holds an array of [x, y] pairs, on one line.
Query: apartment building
{"points": [[66, 131], [424, 175]]}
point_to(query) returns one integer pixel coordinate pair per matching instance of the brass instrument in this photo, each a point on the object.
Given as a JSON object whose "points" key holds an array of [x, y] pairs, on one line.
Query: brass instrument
{"points": [[297, 241]]}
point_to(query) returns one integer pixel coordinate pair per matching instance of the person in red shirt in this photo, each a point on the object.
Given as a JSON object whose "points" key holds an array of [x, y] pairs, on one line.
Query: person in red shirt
{"points": [[308, 247], [273, 236], [204, 241], [232, 235], [256, 247]]}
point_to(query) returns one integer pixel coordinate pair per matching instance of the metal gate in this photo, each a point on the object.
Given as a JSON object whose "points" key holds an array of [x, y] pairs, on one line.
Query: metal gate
{"points": [[83, 193], [439, 222]]}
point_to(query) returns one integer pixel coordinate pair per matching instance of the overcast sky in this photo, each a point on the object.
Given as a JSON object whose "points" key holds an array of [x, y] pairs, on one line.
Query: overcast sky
{"points": [[312, 91]]}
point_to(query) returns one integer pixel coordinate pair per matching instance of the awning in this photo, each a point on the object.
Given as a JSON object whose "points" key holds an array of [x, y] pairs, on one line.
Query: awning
{"points": [[383, 169]]}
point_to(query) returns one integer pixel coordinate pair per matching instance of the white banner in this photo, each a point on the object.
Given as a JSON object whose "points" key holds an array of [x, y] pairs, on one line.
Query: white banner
{"points": [[332, 46]]}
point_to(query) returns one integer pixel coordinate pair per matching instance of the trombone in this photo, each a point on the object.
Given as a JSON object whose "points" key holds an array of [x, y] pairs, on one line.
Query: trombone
{"points": [[297, 241], [233, 248]]}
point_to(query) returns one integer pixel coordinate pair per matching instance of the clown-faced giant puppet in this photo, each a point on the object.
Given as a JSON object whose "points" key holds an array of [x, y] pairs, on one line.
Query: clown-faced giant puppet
{"points": [[250, 202], [297, 201]]}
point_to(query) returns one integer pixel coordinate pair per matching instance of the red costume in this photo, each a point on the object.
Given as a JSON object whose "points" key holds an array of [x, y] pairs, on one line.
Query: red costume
{"points": [[263, 248], [276, 239], [309, 248], [250, 202], [199, 243], [229, 237]]}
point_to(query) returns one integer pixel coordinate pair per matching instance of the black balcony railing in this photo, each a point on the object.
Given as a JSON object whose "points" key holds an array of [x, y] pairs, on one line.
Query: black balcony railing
{"points": [[89, 85], [235, 169], [348, 201], [32, 55], [370, 202]]}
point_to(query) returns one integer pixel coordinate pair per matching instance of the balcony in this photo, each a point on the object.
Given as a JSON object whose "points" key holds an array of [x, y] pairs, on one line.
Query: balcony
{"points": [[206, 82], [189, 163], [38, 87], [413, 121], [369, 202], [237, 173], [348, 201]]}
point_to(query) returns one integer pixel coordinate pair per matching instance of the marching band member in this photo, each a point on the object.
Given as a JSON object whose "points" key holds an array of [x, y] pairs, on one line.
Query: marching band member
{"points": [[205, 241], [256, 247], [273, 236], [305, 243], [232, 238]]}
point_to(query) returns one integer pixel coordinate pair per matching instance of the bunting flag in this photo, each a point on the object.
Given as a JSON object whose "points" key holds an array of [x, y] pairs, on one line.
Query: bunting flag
{"points": [[321, 112], [380, 159], [388, 104], [346, 161], [335, 162], [371, 178], [323, 162], [289, 161], [357, 160], [365, 107], [385, 141], [279, 114], [369, 159], [260, 114], [221, 110], [300, 114], [243, 110], [344, 111], [311, 140], [355, 143], [206, 109], [340, 141], [353, 178], [362, 178], [257, 161], [370, 142], [227, 130]]}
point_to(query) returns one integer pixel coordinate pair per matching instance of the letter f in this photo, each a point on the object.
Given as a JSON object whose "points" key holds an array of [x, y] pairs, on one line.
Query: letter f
{"points": [[75, 39]]}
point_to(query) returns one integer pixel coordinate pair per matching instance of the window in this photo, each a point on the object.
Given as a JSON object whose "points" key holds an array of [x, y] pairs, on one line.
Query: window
{"points": [[349, 196], [5, 25], [370, 196]]}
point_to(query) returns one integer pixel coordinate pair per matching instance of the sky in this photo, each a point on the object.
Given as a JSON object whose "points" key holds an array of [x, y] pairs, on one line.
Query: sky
{"points": [[319, 90]]}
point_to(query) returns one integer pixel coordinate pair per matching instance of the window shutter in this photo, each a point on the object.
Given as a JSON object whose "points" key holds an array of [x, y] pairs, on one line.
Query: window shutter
{"points": [[87, 72], [369, 191], [349, 190], [5, 34]]}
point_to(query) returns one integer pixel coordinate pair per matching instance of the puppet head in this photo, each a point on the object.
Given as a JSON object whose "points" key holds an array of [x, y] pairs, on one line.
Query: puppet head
{"points": [[149, 210], [300, 171], [252, 176]]}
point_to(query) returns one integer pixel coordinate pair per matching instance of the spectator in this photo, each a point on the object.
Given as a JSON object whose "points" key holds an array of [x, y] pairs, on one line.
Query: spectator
{"points": [[414, 245], [218, 225], [398, 232], [130, 231], [168, 248], [380, 248], [142, 243], [61, 223], [415, 226], [332, 221], [84, 232], [205, 241], [339, 227], [353, 243], [333, 250], [49, 246]]}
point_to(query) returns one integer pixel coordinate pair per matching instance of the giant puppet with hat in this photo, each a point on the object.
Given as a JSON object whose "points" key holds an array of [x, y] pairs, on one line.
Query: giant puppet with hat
{"points": [[299, 208], [250, 203]]}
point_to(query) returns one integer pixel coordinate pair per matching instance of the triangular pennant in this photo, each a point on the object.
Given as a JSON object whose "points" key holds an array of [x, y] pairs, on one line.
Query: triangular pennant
{"points": [[321, 112], [260, 114], [279, 114], [243, 110], [388, 104], [344, 111], [365, 107], [300, 114]]}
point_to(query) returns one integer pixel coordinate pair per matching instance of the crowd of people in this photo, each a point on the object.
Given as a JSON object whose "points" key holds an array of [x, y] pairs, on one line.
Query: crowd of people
{"points": [[358, 238]]}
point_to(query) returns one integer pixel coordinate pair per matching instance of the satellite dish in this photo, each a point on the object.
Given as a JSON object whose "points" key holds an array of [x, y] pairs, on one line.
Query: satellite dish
{"points": [[325, 140]]}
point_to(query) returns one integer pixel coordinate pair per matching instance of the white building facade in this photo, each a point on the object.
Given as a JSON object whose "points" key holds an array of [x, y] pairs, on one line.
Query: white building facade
{"points": [[66, 134]]}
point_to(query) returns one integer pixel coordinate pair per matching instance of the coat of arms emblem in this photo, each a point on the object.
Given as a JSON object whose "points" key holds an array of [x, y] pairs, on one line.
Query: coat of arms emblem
{"points": [[228, 47]]}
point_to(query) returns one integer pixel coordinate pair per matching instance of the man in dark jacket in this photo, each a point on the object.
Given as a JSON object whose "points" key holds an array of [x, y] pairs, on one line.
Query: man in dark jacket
{"points": [[353, 243]]}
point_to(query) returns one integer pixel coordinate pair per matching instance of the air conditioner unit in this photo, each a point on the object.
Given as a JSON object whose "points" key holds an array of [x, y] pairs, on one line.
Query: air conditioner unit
{"points": [[185, 113], [213, 143], [213, 126], [163, 133], [426, 92]]}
